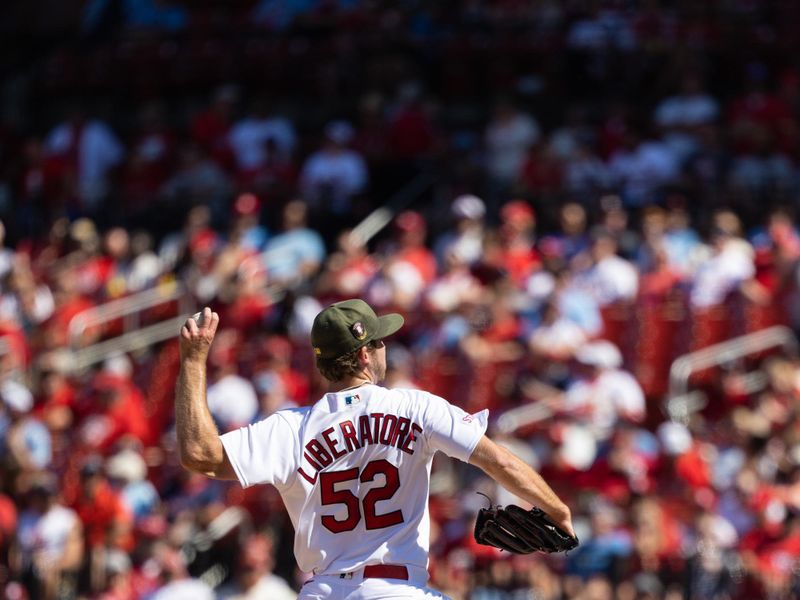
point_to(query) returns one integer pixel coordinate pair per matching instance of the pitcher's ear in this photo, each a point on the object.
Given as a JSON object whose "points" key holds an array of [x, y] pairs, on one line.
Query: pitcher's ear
{"points": [[363, 354]]}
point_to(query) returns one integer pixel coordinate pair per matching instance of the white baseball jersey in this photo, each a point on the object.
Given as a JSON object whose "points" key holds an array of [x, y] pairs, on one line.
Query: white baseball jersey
{"points": [[354, 472]]}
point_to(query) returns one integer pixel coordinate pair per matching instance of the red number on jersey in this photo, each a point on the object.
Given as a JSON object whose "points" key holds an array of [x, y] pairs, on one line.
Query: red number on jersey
{"points": [[392, 475], [329, 495]]}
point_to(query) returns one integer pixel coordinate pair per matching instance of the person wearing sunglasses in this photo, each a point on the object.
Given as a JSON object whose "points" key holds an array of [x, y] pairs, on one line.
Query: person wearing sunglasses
{"points": [[354, 468]]}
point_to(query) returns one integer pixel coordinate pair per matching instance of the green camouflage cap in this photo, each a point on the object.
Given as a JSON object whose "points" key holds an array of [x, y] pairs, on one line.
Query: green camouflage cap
{"points": [[346, 326]]}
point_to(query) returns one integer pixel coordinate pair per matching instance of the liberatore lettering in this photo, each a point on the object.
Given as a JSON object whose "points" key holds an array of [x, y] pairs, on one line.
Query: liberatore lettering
{"points": [[375, 428], [332, 444], [364, 432], [387, 429], [319, 453], [350, 436]]}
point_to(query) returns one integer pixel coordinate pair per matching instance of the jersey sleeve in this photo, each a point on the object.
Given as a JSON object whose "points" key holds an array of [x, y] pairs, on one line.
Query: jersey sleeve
{"points": [[451, 429], [264, 452]]}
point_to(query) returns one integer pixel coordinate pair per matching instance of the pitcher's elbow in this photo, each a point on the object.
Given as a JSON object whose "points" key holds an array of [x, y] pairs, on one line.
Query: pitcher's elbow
{"points": [[193, 459], [188, 463]]}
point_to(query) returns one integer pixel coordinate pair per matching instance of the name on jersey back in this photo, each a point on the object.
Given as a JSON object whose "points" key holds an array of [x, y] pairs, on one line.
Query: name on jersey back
{"points": [[374, 428]]}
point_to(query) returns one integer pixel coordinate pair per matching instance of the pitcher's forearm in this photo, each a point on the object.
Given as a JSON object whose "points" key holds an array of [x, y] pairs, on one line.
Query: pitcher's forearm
{"points": [[198, 438], [525, 482], [518, 478]]}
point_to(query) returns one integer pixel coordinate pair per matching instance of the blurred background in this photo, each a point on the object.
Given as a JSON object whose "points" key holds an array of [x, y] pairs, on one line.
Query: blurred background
{"points": [[585, 210]]}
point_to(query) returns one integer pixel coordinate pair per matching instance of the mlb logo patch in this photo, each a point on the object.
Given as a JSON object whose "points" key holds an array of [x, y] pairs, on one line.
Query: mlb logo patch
{"points": [[350, 400]]}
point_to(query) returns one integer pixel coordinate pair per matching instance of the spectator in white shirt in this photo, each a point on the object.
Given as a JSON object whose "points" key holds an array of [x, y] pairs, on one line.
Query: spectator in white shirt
{"points": [[509, 136], [465, 239], [335, 173], [24, 439], [248, 137], [681, 116], [602, 29], [690, 107], [454, 287], [293, 256], [232, 399], [603, 393], [610, 278], [730, 264], [89, 150], [177, 583], [253, 578], [642, 166], [557, 338], [49, 543], [584, 173], [553, 343]]}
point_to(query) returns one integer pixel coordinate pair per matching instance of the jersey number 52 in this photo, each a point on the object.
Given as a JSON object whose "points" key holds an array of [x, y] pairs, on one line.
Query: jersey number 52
{"points": [[330, 495]]}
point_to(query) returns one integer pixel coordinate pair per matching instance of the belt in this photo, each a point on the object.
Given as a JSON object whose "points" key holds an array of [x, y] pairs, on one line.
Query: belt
{"points": [[381, 572]]}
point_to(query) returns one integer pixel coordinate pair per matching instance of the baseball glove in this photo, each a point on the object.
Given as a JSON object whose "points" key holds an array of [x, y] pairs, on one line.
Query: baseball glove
{"points": [[521, 531]]}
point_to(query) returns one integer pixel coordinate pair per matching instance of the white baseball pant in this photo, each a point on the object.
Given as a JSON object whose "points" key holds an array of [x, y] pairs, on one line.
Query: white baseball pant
{"points": [[354, 586]]}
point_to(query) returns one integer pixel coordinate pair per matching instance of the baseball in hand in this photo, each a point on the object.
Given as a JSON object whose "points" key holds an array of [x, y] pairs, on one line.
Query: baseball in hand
{"points": [[198, 317]]}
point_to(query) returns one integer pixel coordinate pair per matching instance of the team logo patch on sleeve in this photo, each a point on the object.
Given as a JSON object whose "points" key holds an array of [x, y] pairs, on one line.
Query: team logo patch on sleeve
{"points": [[358, 330], [350, 400]]}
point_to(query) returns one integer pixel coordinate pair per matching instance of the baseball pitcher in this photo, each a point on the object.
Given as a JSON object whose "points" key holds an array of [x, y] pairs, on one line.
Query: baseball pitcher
{"points": [[354, 469]]}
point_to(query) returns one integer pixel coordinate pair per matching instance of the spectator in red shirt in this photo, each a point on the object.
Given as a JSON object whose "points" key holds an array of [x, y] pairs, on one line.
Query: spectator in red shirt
{"points": [[118, 578], [412, 132], [148, 164], [372, 132], [660, 278], [347, 271], [94, 257], [106, 520], [518, 255], [210, 127], [69, 301], [275, 356], [8, 524], [56, 399], [656, 533], [411, 234], [40, 188], [249, 303], [274, 177], [770, 548], [756, 109], [116, 410], [542, 173]]}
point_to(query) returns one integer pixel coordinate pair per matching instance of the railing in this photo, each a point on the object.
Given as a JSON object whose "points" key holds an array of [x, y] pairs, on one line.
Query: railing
{"points": [[682, 403], [130, 309], [523, 416], [379, 218], [134, 336]]}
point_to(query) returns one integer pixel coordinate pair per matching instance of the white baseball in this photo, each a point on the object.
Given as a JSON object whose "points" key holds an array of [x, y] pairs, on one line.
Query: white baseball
{"points": [[198, 317]]}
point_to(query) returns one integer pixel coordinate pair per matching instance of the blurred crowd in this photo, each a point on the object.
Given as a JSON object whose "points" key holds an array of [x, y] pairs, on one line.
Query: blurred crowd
{"points": [[577, 194]]}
